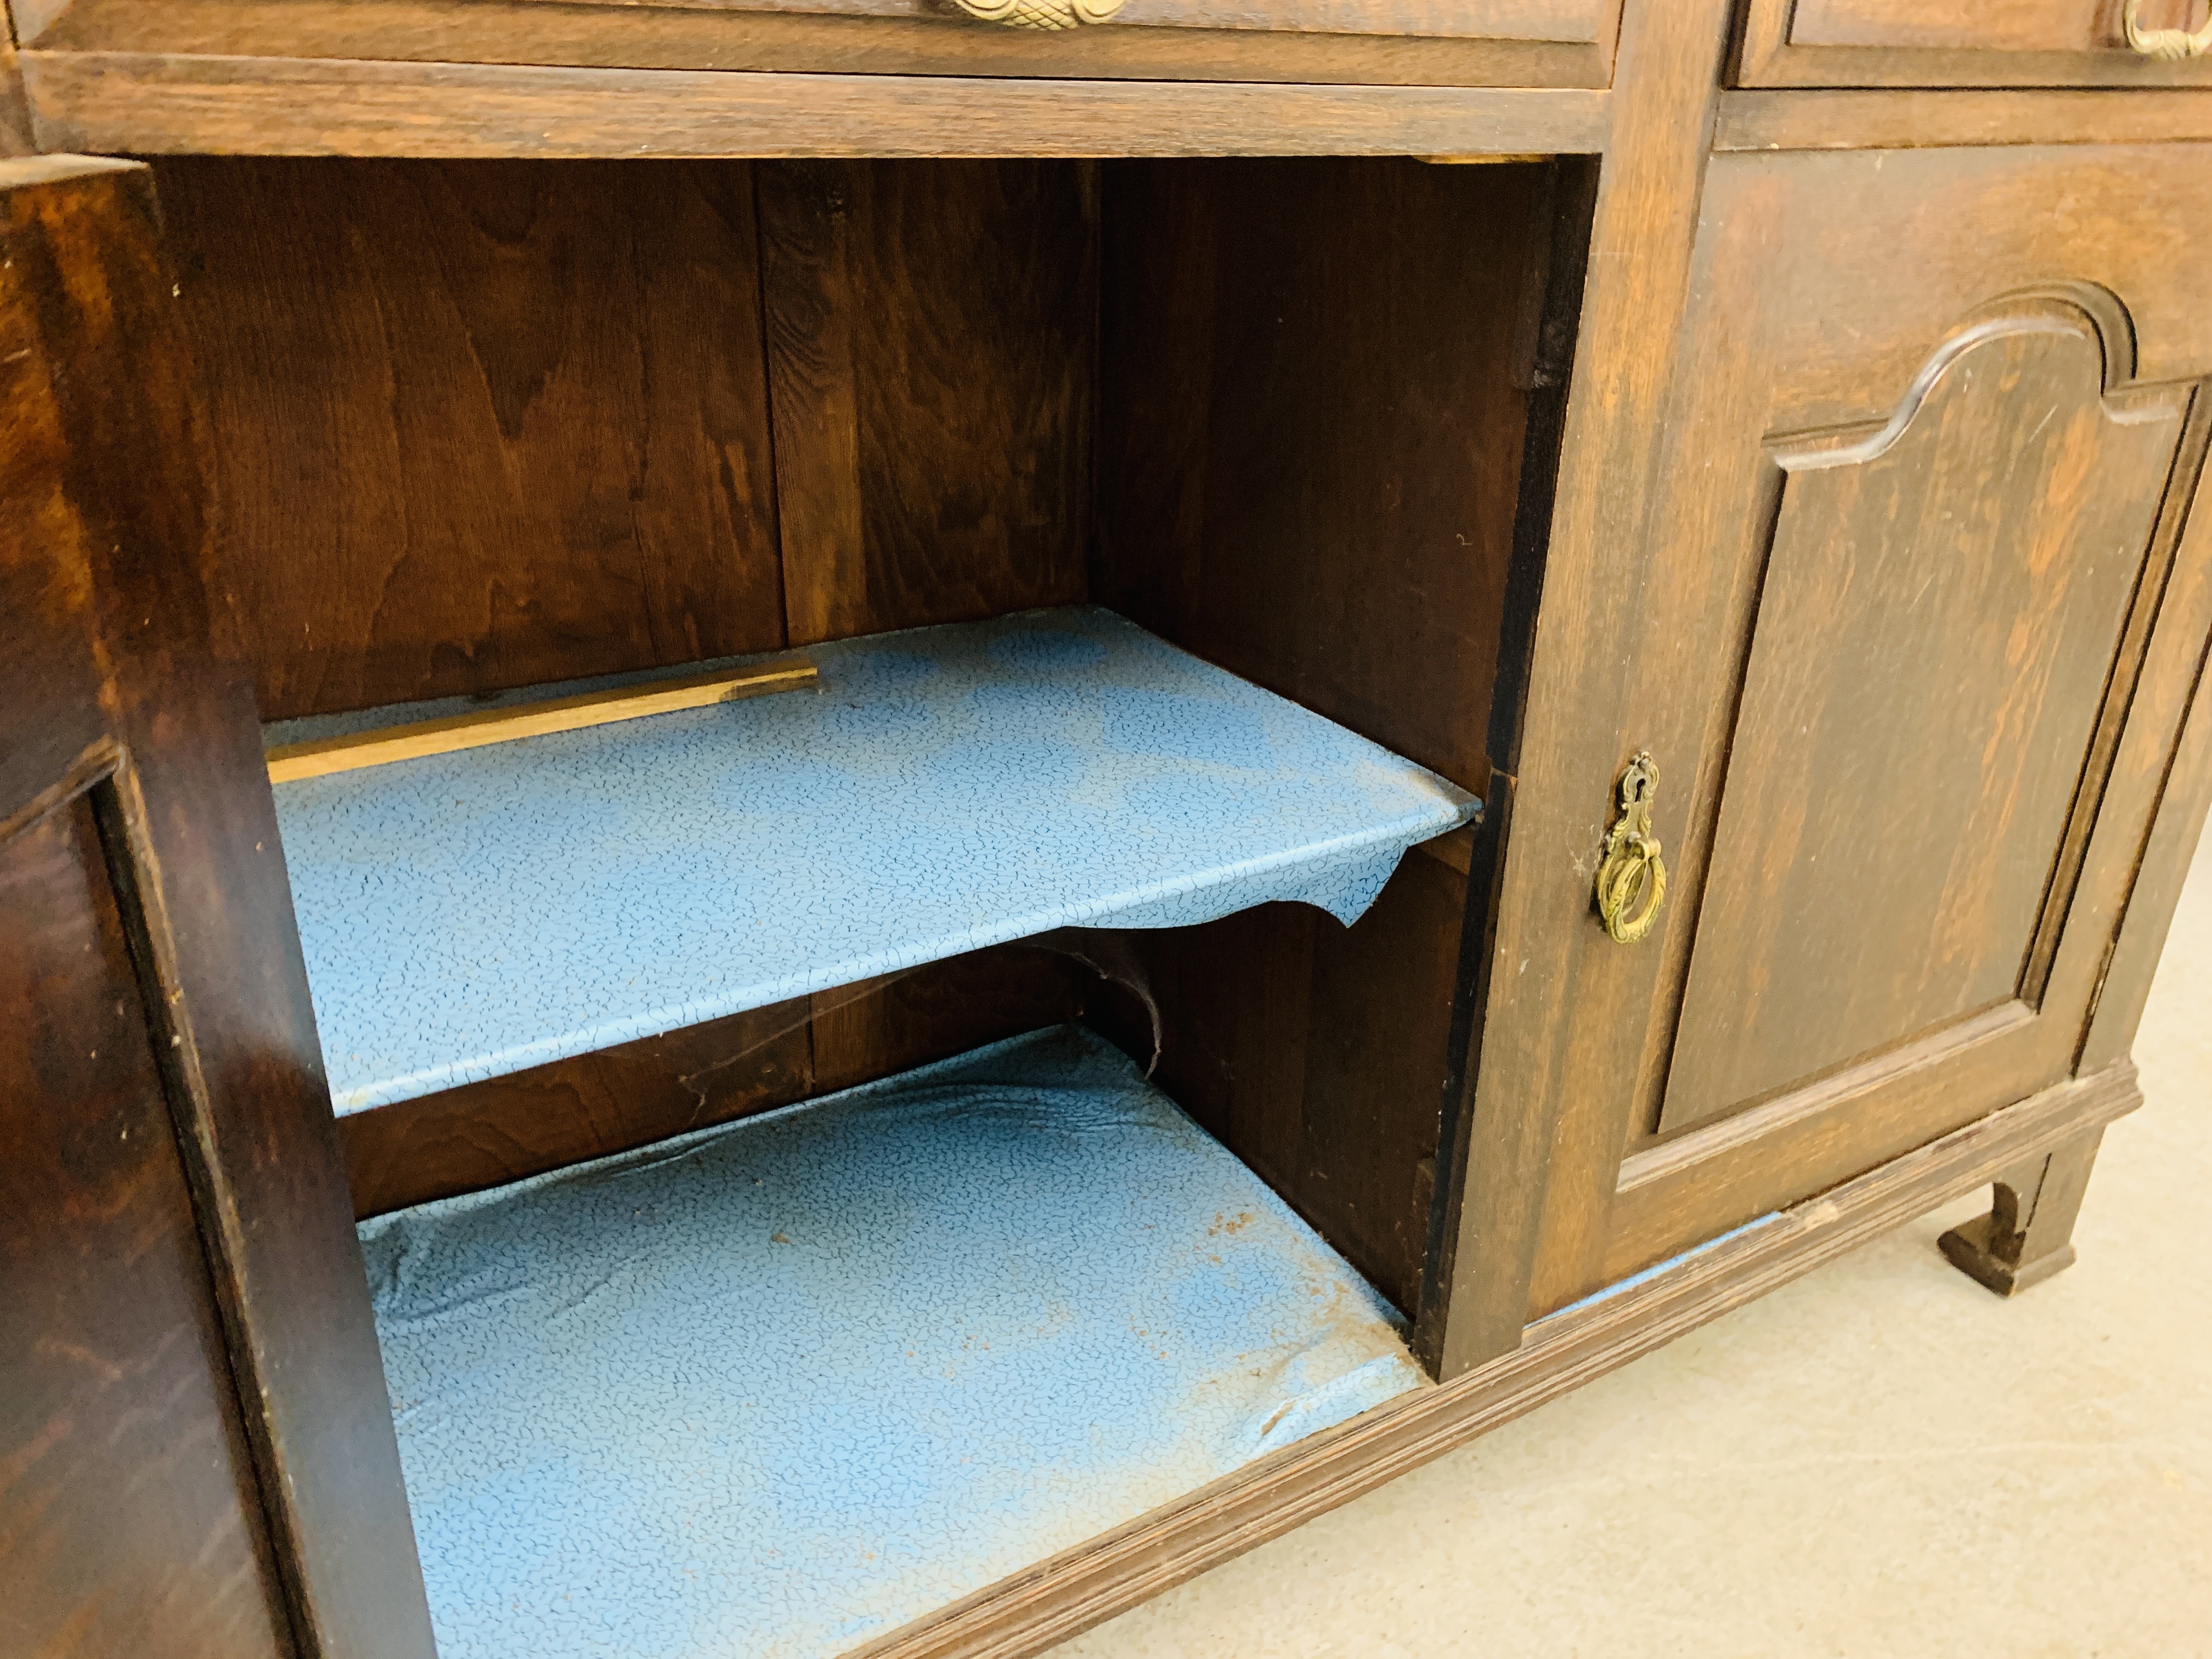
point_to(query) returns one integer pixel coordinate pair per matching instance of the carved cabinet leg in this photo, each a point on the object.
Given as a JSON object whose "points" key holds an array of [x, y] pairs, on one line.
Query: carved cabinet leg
{"points": [[2027, 1235]]}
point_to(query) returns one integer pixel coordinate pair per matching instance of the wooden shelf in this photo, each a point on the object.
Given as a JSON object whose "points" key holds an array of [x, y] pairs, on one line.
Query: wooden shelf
{"points": [[787, 1384], [469, 915]]}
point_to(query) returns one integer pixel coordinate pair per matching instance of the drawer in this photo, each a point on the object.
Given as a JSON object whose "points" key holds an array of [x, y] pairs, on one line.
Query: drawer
{"points": [[1506, 43], [1973, 43]]}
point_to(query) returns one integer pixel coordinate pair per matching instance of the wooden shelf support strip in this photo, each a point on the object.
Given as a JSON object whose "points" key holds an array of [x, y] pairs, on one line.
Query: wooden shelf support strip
{"points": [[475, 730]]}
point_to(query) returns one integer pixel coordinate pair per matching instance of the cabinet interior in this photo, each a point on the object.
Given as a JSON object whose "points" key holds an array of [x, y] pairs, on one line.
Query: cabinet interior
{"points": [[474, 426]]}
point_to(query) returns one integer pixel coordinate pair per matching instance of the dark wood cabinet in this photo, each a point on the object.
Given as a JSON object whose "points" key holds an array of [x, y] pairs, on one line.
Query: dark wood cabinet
{"points": [[1801, 490]]}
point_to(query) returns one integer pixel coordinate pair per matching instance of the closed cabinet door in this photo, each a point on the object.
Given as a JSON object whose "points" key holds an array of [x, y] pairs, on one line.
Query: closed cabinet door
{"points": [[1921, 605]]}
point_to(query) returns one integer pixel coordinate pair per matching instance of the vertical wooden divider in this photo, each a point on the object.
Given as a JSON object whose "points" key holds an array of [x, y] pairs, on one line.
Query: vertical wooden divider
{"points": [[930, 330]]}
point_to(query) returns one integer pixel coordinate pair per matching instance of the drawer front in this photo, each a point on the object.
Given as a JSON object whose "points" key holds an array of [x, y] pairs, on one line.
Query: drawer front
{"points": [[1974, 43], [1531, 43]]}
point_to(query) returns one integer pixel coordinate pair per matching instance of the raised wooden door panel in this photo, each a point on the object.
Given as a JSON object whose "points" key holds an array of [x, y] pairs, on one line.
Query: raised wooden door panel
{"points": [[1965, 43], [134, 1520], [1923, 600], [1535, 43], [1942, 607], [196, 1449]]}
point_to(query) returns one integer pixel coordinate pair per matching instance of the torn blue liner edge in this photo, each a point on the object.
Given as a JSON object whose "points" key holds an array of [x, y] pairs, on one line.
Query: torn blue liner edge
{"points": [[1620, 1286]]}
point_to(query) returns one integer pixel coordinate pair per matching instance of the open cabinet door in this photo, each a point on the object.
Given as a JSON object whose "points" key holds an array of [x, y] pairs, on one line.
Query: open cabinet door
{"points": [[196, 1449]]}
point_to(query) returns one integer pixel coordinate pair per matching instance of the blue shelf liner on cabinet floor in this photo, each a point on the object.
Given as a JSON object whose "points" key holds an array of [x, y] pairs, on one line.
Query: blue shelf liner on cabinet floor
{"points": [[779, 1386], [470, 914]]}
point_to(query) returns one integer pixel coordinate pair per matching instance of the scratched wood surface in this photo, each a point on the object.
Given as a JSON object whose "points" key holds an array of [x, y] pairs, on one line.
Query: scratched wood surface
{"points": [[116, 1379]]}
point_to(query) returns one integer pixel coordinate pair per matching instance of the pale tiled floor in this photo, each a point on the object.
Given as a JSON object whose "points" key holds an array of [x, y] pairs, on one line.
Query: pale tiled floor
{"points": [[1880, 1459]]}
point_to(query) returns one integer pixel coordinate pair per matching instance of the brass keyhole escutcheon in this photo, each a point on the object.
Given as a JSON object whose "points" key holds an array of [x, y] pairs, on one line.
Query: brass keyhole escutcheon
{"points": [[1632, 881]]}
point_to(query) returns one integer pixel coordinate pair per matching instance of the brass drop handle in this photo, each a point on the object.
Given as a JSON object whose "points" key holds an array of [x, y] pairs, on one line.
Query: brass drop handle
{"points": [[2167, 46], [1041, 14], [1632, 881]]}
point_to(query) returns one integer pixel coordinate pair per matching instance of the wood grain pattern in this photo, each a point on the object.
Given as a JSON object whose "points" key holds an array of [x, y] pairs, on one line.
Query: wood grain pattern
{"points": [[1317, 1054], [1912, 118], [135, 1519], [1539, 1077], [2166, 755], [118, 660], [1886, 255], [901, 37], [149, 105], [1994, 26], [480, 427], [1028, 1612], [1310, 444], [1887, 866], [2019, 43], [1270, 399], [512, 721], [930, 341], [485, 1134]]}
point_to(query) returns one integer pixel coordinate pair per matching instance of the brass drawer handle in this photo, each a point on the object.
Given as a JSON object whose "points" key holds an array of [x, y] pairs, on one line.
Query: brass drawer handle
{"points": [[2167, 46], [1041, 14], [1631, 882]]}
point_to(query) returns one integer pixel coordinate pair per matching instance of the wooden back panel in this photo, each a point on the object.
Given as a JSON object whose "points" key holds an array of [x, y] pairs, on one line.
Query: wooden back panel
{"points": [[486, 424], [196, 1449], [480, 425]]}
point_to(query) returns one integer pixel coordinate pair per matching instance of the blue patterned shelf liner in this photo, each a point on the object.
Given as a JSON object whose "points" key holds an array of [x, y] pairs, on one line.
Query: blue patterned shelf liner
{"points": [[472, 914], [781, 1386]]}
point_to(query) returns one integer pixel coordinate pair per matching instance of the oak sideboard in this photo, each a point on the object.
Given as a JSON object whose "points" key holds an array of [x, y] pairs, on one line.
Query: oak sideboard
{"points": [[841, 825]]}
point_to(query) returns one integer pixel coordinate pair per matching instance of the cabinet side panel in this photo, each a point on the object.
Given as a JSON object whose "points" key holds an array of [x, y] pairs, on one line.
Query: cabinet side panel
{"points": [[1310, 436], [1316, 1054]]}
